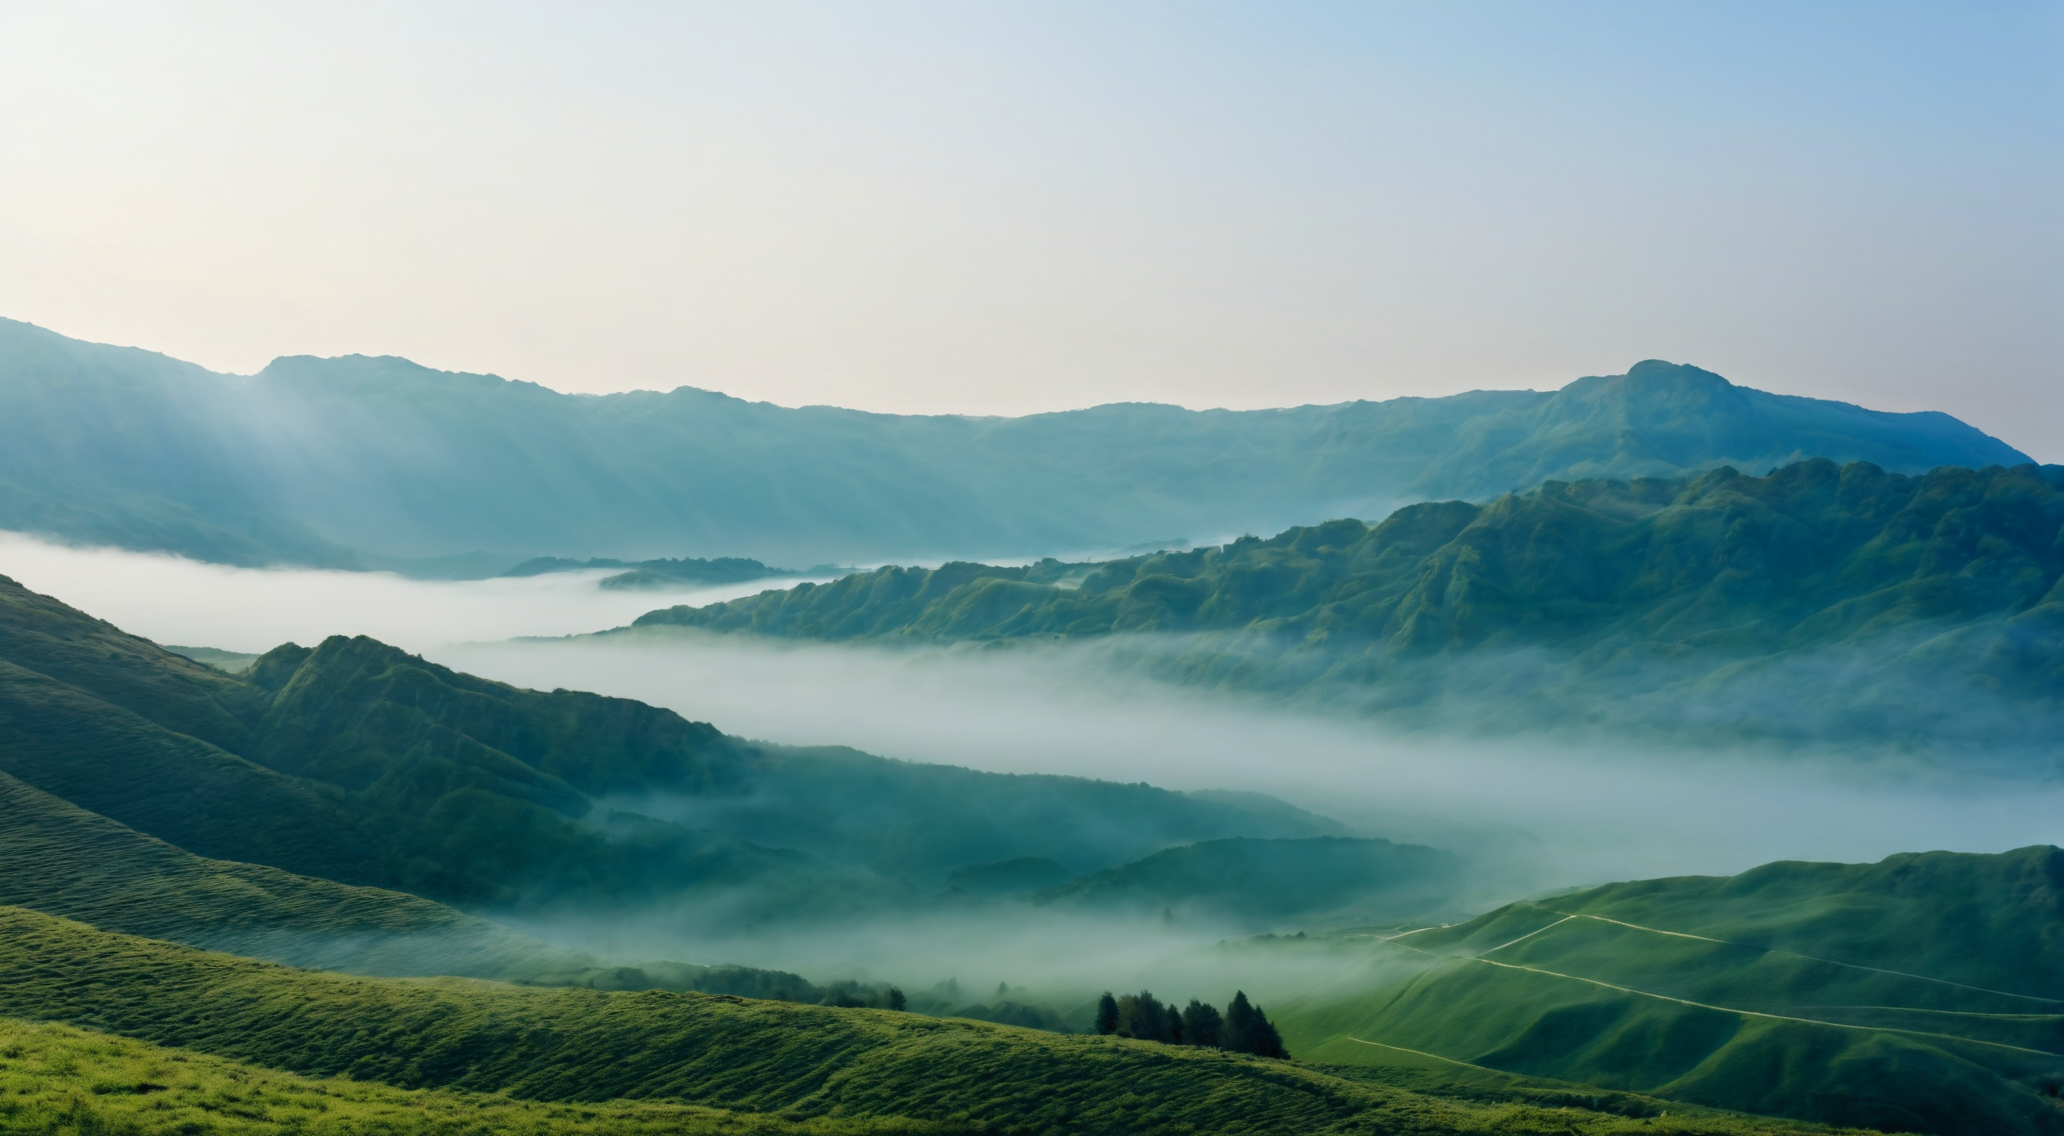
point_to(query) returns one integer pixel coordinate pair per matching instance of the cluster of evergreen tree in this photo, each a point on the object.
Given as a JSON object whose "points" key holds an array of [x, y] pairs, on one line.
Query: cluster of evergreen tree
{"points": [[1243, 1028]]}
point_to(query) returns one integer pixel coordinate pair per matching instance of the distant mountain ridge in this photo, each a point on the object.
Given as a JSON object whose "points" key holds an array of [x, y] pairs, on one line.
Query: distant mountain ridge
{"points": [[359, 461], [1818, 601]]}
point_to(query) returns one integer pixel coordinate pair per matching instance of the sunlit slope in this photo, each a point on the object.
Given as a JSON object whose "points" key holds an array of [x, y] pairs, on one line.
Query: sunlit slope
{"points": [[115, 445], [589, 1046], [58, 1079], [1920, 993], [1815, 602], [357, 762]]}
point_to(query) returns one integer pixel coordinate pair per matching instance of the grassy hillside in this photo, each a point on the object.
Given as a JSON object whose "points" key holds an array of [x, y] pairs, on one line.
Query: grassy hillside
{"points": [[63, 1081], [62, 860], [357, 762], [1917, 994], [122, 446], [594, 1047], [1816, 602]]}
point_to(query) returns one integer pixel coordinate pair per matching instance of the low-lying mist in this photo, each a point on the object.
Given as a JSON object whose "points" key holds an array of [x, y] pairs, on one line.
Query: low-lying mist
{"points": [[1578, 814], [1525, 814], [171, 599], [1527, 817]]}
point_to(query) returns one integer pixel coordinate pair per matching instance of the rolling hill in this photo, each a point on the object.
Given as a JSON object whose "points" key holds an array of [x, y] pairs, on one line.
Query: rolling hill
{"points": [[1921, 993], [323, 461], [56, 1079], [356, 762], [603, 1050], [1818, 603]]}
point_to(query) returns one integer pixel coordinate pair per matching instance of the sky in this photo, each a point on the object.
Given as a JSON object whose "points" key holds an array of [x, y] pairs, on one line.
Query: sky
{"points": [[1004, 207]]}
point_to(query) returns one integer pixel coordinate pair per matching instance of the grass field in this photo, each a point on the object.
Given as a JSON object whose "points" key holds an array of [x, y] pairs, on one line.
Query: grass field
{"points": [[63, 1081], [1843, 1023], [572, 1045]]}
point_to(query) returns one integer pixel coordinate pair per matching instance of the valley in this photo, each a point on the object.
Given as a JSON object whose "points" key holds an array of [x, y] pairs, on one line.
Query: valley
{"points": [[950, 847]]}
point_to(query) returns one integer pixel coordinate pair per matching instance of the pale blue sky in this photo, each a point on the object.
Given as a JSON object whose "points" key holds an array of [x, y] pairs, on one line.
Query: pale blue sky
{"points": [[1012, 207]]}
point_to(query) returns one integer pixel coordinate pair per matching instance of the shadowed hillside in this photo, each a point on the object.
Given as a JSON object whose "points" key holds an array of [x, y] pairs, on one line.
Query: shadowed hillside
{"points": [[1816, 603], [356, 762], [322, 461]]}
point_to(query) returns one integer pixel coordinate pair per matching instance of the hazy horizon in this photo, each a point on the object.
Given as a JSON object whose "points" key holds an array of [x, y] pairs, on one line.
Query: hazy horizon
{"points": [[928, 208]]}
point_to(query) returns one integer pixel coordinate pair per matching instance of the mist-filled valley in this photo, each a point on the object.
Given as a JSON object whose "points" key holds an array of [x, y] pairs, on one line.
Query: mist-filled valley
{"points": [[996, 831], [1620, 744]]}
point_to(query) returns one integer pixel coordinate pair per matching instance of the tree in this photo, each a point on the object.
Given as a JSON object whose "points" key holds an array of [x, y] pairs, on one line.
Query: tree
{"points": [[1173, 1033], [1107, 1014], [1201, 1024], [1248, 1030], [1142, 1016], [896, 999]]}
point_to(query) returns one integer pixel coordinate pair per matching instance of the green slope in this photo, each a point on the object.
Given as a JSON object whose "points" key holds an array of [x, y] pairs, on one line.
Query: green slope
{"points": [[62, 860], [589, 1046], [1921, 993], [357, 762], [59, 859], [59, 1080], [1819, 602], [123, 446]]}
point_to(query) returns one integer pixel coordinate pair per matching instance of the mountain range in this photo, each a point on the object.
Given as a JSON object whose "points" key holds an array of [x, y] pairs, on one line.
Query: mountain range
{"points": [[356, 810], [378, 462], [1817, 604]]}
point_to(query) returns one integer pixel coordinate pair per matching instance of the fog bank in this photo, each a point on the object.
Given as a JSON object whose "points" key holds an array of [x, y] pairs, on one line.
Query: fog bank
{"points": [[1599, 813], [170, 599]]}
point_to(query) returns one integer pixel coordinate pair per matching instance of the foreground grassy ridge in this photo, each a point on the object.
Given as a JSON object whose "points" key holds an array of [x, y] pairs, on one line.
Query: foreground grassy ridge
{"points": [[62, 1081], [580, 1045], [1676, 994]]}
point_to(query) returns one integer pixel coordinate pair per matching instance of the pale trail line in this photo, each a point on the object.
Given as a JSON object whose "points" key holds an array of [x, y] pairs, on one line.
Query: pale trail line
{"points": [[1811, 958], [1951, 1013], [1423, 1053], [1528, 935], [1749, 1013]]}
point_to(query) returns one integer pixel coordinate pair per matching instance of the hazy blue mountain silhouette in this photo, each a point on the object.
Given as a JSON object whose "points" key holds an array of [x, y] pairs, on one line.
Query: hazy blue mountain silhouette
{"points": [[359, 460]]}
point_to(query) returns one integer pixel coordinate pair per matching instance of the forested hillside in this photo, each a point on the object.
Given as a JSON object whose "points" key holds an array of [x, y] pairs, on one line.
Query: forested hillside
{"points": [[1923, 993], [1816, 602], [322, 461]]}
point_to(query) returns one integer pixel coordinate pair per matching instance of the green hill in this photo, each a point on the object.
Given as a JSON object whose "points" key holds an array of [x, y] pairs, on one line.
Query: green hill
{"points": [[322, 461], [59, 1080], [1264, 883], [601, 1049], [356, 762], [1819, 603], [1918, 994], [62, 860]]}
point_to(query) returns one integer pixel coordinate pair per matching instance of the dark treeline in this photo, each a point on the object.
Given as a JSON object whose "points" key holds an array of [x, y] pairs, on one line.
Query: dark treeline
{"points": [[1243, 1028]]}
